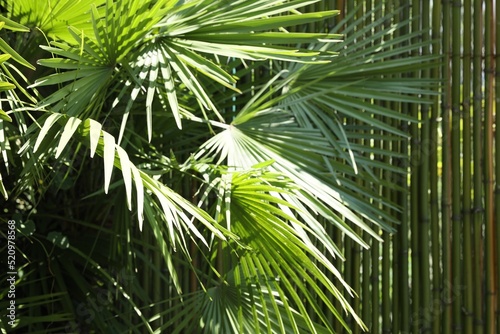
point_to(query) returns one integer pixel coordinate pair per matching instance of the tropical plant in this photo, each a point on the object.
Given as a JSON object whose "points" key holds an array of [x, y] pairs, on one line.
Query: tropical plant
{"points": [[178, 166]]}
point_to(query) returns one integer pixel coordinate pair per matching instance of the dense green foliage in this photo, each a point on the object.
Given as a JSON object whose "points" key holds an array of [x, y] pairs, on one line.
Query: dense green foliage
{"points": [[182, 166]]}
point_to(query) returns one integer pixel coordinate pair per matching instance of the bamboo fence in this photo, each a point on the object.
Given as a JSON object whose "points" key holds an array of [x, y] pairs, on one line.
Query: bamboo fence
{"points": [[439, 272]]}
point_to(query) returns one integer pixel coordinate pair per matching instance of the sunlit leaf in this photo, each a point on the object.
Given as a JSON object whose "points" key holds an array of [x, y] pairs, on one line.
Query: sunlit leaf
{"points": [[108, 157], [68, 132], [49, 122], [4, 116], [125, 166]]}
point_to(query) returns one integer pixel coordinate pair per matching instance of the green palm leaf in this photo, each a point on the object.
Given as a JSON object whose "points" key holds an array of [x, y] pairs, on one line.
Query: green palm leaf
{"points": [[148, 58]]}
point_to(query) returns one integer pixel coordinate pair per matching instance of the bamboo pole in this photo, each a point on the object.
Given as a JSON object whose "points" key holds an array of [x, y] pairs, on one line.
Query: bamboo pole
{"points": [[424, 224], [446, 172], [348, 248], [348, 244], [478, 260], [348, 7], [404, 227], [357, 249], [397, 300], [378, 274], [356, 279], [415, 183], [386, 282], [386, 192], [398, 284], [366, 307], [395, 197], [337, 238], [341, 6], [434, 177], [375, 281], [467, 158], [456, 219], [145, 276], [497, 158], [488, 171]]}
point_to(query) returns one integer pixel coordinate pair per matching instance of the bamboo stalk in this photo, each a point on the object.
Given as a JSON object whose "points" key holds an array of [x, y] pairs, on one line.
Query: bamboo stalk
{"points": [[356, 279], [340, 5], [337, 238], [348, 249], [477, 166], [378, 269], [356, 283], [403, 231], [375, 252], [415, 183], [467, 158], [348, 7], [365, 288], [488, 171], [396, 259], [386, 192], [446, 172], [399, 259], [386, 283], [356, 250], [424, 224], [497, 160], [456, 219], [397, 283], [434, 177], [396, 196], [386, 254], [146, 272]]}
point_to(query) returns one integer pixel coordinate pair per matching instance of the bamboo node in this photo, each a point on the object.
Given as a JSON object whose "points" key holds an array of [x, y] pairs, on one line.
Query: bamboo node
{"points": [[467, 212], [425, 220], [445, 105], [490, 70], [467, 313], [477, 210]]}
